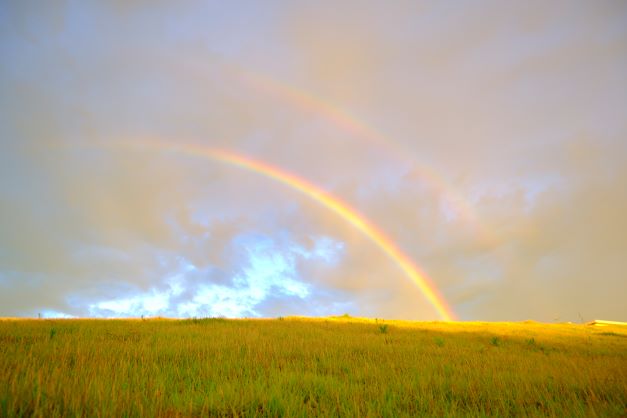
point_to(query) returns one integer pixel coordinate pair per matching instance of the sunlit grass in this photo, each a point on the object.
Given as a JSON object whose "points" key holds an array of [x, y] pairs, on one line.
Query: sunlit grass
{"points": [[302, 366]]}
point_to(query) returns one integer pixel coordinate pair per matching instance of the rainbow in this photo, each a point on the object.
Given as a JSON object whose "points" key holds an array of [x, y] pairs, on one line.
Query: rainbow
{"points": [[356, 129], [350, 215]]}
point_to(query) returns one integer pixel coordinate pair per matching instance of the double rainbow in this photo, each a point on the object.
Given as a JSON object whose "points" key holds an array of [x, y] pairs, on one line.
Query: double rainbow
{"points": [[356, 129]]}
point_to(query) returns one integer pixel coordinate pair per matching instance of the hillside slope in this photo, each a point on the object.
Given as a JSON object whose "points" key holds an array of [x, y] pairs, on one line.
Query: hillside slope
{"points": [[305, 366]]}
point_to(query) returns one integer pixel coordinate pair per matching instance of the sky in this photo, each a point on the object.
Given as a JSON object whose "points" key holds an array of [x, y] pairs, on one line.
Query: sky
{"points": [[486, 140]]}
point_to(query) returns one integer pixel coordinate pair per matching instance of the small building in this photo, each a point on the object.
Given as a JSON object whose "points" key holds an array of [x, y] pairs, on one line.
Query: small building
{"points": [[603, 323]]}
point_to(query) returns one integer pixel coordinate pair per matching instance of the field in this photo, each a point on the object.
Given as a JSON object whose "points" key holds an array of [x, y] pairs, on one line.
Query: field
{"points": [[300, 367]]}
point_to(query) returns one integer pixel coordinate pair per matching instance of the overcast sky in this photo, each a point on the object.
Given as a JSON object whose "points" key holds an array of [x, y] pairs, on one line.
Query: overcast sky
{"points": [[488, 140]]}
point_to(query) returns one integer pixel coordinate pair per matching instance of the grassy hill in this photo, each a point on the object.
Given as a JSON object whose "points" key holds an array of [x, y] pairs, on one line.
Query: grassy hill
{"points": [[304, 366]]}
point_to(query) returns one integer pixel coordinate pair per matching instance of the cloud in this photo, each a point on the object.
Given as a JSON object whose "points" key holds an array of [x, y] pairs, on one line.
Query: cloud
{"points": [[262, 269], [512, 110]]}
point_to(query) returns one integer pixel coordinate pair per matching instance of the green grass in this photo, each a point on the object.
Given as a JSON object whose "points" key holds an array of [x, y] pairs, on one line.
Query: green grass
{"points": [[299, 367]]}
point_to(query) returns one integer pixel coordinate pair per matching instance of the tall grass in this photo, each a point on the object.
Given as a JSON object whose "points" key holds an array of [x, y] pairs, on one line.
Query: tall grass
{"points": [[299, 367]]}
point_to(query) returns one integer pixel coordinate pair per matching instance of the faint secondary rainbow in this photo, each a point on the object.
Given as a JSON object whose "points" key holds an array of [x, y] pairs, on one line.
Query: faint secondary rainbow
{"points": [[350, 215]]}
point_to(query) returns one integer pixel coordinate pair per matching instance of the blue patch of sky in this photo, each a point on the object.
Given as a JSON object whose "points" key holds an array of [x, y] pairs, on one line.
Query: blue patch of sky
{"points": [[532, 186], [268, 269], [48, 314]]}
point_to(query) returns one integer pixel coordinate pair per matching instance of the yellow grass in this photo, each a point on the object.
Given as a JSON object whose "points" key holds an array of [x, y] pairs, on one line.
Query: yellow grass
{"points": [[303, 366]]}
